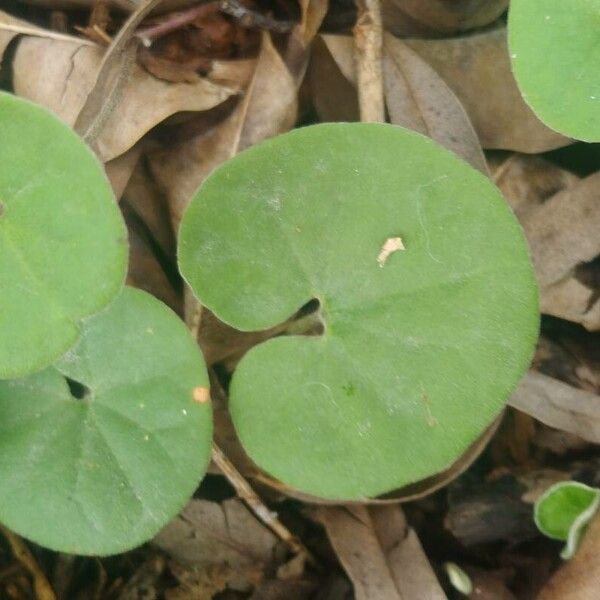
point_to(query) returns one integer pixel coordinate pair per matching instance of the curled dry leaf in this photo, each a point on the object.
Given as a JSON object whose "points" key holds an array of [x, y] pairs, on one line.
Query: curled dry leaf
{"points": [[269, 106], [477, 69], [415, 16], [60, 75], [380, 552], [563, 233], [8, 34], [559, 405]]}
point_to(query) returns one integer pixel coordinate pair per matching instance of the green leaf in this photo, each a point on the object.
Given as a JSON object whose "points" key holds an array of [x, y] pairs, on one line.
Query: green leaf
{"points": [[63, 247], [420, 350], [555, 52], [564, 511], [99, 462]]}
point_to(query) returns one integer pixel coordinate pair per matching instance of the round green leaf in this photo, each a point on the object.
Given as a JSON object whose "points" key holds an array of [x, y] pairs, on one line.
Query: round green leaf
{"points": [[421, 348], [564, 511], [99, 462], [63, 247], [555, 52]]}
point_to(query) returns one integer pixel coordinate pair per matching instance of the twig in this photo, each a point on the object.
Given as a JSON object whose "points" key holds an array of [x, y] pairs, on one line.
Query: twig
{"points": [[196, 318], [114, 71], [43, 590], [174, 21], [368, 40], [45, 33], [250, 497], [252, 19]]}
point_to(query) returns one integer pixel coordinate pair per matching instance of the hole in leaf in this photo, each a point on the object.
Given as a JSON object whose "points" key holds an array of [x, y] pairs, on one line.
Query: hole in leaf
{"points": [[78, 390]]}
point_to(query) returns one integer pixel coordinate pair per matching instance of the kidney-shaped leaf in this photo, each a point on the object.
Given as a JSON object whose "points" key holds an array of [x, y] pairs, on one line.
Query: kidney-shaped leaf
{"points": [[555, 52], [63, 247], [426, 292], [564, 511], [100, 451]]}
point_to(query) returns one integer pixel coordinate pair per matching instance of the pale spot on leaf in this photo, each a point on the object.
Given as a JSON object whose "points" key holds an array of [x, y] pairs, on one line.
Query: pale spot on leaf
{"points": [[201, 394], [390, 246]]}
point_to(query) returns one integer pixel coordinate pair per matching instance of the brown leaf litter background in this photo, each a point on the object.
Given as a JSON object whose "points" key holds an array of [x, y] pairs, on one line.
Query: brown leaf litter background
{"points": [[164, 91]]}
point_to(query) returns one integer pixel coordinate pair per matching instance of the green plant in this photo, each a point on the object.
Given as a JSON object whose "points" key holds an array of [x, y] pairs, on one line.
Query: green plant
{"points": [[100, 450], [555, 52], [564, 511], [425, 289], [63, 245], [426, 297]]}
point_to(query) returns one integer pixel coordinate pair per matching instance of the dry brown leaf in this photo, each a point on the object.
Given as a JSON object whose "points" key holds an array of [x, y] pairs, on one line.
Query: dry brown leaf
{"points": [[528, 181], [7, 35], [559, 405], [415, 95], [60, 75], [120, 169], [562, 234], [380, 552], [143, 197], [302, 35], [418, 98], [333, 94], [578, 578], [269, 106], [145, 271], [477, 69], [440, 15], [199, 584], [207, 533]]}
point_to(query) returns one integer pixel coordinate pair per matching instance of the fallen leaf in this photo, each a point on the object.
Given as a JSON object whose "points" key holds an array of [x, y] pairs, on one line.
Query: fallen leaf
{"points": [[477, 69], [333, 93], [145, 270], [415, 95], [418, 98], [578, 578], [559, 405], [380, 552], [119, 170], [269, 106], [562, 234], [441, 15], [527, 181], [60, 75], [207, 533]]}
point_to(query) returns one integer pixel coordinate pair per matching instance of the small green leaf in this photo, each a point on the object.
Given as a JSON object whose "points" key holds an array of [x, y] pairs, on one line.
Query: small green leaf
{"points": [[100, 451], [564, 511], [426, 293], [63, 246], [555, 52]]}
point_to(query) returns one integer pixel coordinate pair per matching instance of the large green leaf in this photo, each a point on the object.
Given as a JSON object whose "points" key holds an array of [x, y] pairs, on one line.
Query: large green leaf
{"points": [[418, 356], [555, 52], [63, 247], [564, 511], [101, 468]]}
